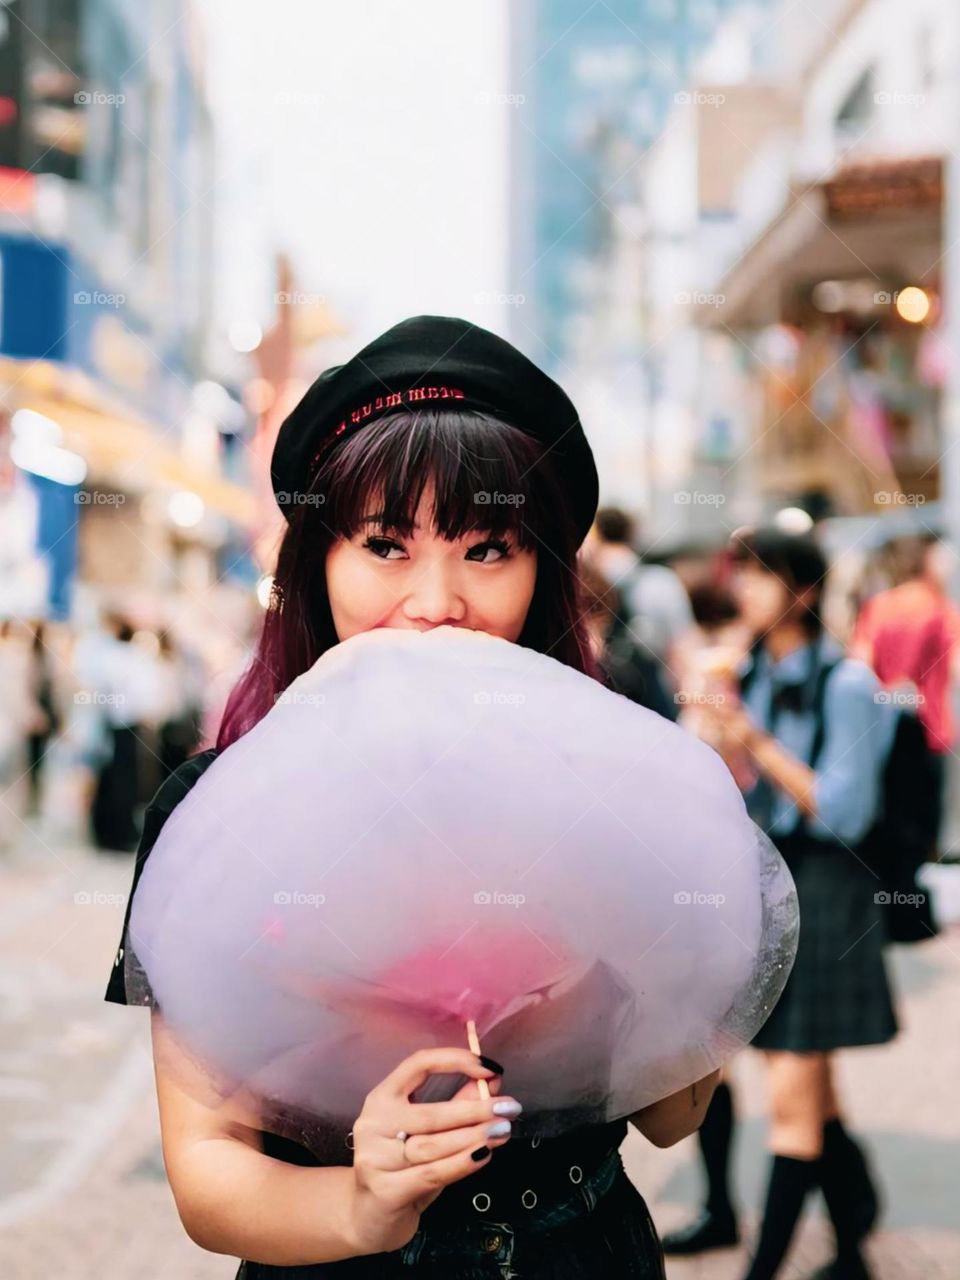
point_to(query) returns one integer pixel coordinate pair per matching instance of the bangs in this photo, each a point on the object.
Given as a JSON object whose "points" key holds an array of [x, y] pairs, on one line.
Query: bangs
{"points": [[487, 477]]}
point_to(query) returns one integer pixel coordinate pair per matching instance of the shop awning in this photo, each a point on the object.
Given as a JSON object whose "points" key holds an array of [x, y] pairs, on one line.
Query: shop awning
{"points": [[120, 450], [880, 218]]}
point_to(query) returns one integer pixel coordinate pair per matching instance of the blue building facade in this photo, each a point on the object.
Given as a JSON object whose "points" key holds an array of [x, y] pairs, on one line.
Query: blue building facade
{"points": [[594, 83], [106, 156]]}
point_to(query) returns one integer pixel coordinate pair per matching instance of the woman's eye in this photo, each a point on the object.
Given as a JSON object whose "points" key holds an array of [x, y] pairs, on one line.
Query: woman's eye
{"points": [[382, 547], [479, 552]]}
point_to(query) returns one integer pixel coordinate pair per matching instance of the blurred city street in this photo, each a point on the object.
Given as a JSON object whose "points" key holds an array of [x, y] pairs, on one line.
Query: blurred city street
{"points": [[84, 1195], [657, 303]]}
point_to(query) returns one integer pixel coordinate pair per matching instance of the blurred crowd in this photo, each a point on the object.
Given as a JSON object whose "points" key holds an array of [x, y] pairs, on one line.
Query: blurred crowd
{"points": [[841, 740], [93, 718], [671, 631]]}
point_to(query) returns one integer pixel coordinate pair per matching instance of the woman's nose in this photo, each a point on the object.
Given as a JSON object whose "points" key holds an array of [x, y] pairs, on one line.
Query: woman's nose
{"points": [[434, 597]]}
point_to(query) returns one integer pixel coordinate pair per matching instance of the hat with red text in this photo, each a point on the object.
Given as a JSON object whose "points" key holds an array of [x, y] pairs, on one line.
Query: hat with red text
{"points": [[436, 362]]}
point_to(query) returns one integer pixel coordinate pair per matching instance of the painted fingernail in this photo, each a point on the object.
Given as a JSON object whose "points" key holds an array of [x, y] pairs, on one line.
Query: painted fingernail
{"points": [[507, 1107], [481, 1153], [500, 1129], [490, 1064]]}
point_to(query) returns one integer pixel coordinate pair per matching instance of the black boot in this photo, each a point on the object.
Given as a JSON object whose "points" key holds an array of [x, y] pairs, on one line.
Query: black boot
{"points": [[790, 1180], [839, 1146], [716, 1225], [837, 1270], [851, 1201]]}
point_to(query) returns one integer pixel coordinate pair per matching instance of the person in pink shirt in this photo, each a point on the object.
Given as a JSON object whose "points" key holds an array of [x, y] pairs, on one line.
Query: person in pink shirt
{"points": [[908, 634]]}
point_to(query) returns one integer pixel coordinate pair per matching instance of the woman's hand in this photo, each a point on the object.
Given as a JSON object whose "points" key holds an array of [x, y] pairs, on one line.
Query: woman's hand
{"points": [[396, 1181], [735, 727]]}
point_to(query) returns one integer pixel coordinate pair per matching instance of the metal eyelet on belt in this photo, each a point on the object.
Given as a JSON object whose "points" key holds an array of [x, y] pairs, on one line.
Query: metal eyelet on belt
{"points": [[348, 1140], [575, 1169], [481, 1208], [523, 1199], [535, 1142]]}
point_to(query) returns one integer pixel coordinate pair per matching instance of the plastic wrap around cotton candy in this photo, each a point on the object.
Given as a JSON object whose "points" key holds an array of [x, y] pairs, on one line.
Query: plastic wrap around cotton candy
{"points": [[431, 827]]}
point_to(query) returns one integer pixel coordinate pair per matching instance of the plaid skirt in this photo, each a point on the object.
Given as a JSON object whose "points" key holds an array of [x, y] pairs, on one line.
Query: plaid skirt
{"points": [[838, 995]]}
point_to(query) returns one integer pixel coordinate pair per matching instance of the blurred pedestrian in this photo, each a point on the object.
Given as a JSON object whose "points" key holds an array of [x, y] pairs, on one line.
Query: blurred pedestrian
{"points": [[908, 634], [19, 717], [626, 666], [48, 719], [127, 694], [181, 709], [818, 737], [655, 602]]}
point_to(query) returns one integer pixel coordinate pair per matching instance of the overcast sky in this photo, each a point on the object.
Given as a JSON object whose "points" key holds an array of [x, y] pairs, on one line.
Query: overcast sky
{"points": [[359, 137]]}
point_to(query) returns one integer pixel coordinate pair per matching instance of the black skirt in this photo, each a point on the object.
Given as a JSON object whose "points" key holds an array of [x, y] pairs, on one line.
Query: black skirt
{"points": [[598, 1227], [838, 994]]}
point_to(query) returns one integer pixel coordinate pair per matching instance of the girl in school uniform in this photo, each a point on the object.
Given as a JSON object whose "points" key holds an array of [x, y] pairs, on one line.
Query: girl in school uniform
{"points": [[817, 737]]}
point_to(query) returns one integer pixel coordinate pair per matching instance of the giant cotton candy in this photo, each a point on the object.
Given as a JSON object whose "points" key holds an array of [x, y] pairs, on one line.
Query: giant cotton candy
{"points": [[431, 827]]}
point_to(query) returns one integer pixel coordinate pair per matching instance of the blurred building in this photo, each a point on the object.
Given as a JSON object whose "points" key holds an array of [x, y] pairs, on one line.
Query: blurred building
{"points": [[594, 87], [106, 146], [824, 276]]}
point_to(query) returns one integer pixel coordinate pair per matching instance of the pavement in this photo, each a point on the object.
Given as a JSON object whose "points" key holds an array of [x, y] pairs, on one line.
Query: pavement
{"points": [[82, 1189]]}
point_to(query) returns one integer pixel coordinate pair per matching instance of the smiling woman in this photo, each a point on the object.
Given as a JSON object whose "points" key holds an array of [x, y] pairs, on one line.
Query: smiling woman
{"points": [[410, 528], [465, 511], [381, 578], [505, 460]]}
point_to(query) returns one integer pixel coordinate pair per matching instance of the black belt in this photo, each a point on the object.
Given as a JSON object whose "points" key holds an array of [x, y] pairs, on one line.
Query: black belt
{"points": [[490, 1227], [521, 1189]]}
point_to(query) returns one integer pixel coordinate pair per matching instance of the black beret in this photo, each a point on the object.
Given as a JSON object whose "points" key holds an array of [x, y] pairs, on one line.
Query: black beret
{"points": [[436, 361]]}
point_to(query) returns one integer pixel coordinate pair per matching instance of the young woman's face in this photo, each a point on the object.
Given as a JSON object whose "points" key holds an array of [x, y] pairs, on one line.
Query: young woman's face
{"points": [[379, 579], [762, 598]]}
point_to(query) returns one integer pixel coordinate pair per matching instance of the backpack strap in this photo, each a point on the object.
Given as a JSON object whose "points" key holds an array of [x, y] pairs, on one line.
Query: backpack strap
{"points": [[816, 689], [818, 707], [749, 674]]}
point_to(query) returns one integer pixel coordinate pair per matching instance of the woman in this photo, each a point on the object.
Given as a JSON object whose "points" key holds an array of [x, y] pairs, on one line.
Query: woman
{"points": [[817, 736], [438, 478]]}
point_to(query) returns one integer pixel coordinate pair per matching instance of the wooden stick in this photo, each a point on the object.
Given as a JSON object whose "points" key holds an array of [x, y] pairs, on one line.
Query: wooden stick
{"points": [[474, 1042]]}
